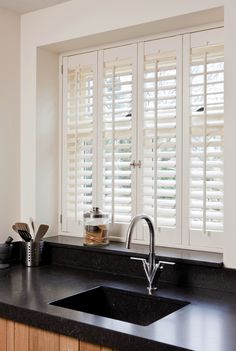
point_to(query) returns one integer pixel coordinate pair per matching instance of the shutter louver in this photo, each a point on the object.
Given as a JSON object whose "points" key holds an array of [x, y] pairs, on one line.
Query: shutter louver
{"points": [[117, 139], [206, 139], [79, 140]]}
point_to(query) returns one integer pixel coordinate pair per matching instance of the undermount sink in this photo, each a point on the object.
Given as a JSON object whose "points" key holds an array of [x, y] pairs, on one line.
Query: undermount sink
{"points": [[122, 305]]}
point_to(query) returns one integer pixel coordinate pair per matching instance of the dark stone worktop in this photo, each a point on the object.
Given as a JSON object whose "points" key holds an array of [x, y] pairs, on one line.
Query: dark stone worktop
{"points": [[207, 323]]}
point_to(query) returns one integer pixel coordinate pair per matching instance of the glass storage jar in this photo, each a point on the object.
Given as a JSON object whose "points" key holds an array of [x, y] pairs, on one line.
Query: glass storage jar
{"points": [[96, 227]]}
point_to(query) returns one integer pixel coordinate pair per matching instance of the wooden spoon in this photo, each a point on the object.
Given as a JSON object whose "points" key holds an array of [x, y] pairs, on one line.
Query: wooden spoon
{"points": [[43, 228]]}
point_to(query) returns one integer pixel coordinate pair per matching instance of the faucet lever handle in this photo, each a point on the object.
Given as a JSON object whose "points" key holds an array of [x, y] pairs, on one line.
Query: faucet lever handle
{"points": [[166, 262], [145, 266], [138, 259]]}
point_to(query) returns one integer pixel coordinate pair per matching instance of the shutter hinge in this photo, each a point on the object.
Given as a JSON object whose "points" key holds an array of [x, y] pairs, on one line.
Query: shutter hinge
{"points": [[61, 69], [60, 218], [135, 164]]}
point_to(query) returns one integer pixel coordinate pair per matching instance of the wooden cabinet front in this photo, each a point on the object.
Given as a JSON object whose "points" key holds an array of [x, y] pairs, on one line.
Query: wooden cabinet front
{"points": [[20, 337], [42, 340], [68, 344]]}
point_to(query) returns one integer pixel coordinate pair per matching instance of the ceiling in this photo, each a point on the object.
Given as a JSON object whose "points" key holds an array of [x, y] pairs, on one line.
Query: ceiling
{"points": [[24, 6]]}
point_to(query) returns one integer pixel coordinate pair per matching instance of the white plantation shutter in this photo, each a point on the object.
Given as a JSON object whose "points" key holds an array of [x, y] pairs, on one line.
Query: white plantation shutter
{"points": [[206, 134], [143, 129], [79, 142], [161, 135], [119, 89]]}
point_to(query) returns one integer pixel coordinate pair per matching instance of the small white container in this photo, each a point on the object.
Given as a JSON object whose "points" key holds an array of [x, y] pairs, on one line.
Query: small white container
{"points": [[96, 227]]}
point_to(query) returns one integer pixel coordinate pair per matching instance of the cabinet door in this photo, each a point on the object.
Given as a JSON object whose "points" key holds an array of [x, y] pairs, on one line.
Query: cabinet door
{"points": [[85, 346], [3, 334], [10, 336], [42, 340], [68, 344], [21, 337], [13, 336]]}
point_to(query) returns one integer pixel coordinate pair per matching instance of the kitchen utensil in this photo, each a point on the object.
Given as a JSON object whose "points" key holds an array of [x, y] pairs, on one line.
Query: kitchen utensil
{"points": [[8, 241], [32, 253], [14, 228], [26, 236], [32, 225], [5, 255], [22, 226], [43, 228]]}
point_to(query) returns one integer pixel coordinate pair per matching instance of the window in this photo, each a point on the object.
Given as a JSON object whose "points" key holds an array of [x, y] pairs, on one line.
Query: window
{"points": [[143, 132]]}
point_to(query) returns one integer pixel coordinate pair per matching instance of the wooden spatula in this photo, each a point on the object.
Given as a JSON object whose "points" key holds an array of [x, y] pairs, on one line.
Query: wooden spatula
{"points": [[14, 228], [43, 228]]}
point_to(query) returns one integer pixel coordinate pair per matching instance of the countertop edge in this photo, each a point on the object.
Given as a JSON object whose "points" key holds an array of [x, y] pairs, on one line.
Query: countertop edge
{"points": [[79, 330]]}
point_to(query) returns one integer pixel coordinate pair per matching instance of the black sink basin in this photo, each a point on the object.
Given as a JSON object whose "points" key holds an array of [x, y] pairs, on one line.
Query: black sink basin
{"points": [[123, 305]]}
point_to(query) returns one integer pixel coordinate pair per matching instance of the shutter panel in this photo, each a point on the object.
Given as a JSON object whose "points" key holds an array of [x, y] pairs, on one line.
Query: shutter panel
{"points": [[79, 155], [206, 180], [119, 109], [207, 120], [161, 128]]}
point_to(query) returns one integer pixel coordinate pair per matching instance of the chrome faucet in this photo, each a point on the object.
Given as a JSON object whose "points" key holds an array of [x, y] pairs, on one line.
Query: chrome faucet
{"points": [[150, 266]]}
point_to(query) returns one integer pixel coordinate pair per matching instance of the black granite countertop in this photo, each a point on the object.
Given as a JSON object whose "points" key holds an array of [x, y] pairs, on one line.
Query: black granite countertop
{"points": [[207, 323]]}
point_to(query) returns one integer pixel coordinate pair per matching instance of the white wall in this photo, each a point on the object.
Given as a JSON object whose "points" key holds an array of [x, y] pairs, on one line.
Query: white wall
{"points": [[77, 19], [47, 135], [230, 134], [9, 121]]}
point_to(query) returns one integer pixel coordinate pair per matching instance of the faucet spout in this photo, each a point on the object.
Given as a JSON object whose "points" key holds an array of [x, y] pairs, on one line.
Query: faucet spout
{"points": [[133, 222]]}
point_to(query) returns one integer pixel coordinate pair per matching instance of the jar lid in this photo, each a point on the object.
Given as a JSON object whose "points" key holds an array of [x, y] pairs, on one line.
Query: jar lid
{"points": [[95, 212]]}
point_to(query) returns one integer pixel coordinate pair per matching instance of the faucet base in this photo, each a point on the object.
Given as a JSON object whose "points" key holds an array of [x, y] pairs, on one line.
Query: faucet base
{"points": [[151, 290]]}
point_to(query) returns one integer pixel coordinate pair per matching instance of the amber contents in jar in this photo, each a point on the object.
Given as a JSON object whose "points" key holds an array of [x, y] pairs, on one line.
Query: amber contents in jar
{"points": [[96, 227]]}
